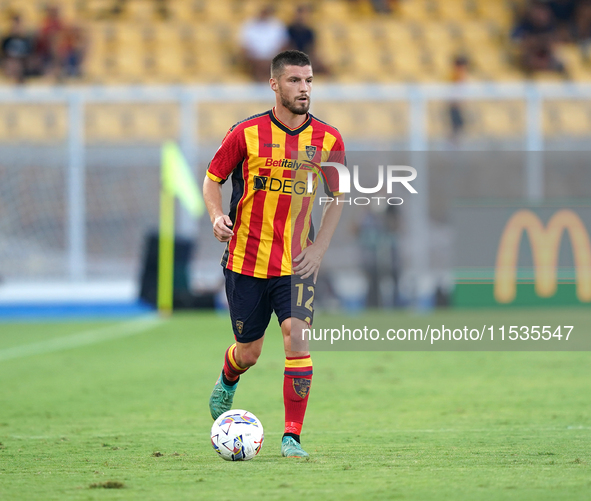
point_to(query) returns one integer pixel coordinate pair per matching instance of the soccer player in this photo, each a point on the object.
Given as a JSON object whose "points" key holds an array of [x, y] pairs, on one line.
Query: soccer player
{"points": [[271, 261]]}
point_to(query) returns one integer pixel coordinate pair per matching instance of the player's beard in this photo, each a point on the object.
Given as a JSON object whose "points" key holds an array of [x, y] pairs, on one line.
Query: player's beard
{"points": [[295, 106]]}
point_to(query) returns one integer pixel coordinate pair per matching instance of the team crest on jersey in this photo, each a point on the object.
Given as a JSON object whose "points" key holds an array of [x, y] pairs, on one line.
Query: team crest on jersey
{"points": [[260, 182], [239, 326], [301, 386], [311, 152]]}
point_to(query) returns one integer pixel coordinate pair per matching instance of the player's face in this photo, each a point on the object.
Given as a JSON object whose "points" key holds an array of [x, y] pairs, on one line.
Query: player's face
{"points": [[294, 87]]}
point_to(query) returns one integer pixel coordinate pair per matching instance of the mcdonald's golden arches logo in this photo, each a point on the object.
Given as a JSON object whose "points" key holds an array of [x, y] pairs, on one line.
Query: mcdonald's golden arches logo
{"points": [[545, 245]]}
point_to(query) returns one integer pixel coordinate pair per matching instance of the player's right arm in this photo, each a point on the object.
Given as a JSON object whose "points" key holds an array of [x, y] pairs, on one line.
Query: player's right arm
{"points": [[222, 224], [229, 155]]}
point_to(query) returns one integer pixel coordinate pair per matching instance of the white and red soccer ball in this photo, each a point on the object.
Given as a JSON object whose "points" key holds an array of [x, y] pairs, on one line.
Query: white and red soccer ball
{"points": [[237, 435]]}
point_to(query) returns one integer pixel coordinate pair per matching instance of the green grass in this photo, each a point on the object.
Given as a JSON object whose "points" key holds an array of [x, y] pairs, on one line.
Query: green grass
{"points": [[380, 425]]}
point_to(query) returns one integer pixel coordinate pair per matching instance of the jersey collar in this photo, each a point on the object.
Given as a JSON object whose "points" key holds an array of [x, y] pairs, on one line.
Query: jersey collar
{"points": [[285, 128]]}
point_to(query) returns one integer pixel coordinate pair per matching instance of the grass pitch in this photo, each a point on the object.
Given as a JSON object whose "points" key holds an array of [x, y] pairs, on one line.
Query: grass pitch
{"points": [[119, 411]]}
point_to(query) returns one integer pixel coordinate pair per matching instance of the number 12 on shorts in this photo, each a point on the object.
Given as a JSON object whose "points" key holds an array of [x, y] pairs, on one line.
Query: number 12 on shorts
{"points": [[300, 298]]}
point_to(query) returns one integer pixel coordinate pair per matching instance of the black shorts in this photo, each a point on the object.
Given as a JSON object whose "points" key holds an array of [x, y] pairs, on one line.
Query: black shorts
{"points": [[252, 301]]}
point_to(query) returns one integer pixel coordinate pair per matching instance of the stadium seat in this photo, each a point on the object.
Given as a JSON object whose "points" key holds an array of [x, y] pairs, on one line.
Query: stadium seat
{"points": [[576, 67], [103, 123], [454, 10], [436, 33], [139, 122], [499, 12], [475, 33], [156, 122], [567, 118], [415, 10], [140, 11], [382, 122], [99, 50], [71, 10], [501, 119], [33, 122], [334, 113], [333, 45], [335, 11], [489, 61], [221, 11], [97, 9], [170, 63], [215, 119], [129, 34], [408, 63], [395, 32], [132, 62], [181, 10]]}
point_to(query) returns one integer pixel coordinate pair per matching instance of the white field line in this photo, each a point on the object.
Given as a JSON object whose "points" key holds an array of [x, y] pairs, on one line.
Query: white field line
{"points": [[83, 338], [516, 431]]}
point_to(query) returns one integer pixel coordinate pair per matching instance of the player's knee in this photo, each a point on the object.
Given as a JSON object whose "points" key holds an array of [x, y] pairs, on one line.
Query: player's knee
{"points": [[247, 357]]}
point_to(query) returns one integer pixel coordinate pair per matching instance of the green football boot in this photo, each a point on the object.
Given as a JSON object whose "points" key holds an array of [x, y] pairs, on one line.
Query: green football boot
{"points": [[291, 449], [221, 398]]}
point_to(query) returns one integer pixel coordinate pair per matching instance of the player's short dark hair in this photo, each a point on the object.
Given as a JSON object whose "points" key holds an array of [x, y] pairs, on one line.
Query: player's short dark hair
{"points": [[288, 58]]}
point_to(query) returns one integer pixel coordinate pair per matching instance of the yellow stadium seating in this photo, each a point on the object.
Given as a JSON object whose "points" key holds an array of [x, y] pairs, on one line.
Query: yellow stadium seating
{"points": [[199, 39], [198, 43]]}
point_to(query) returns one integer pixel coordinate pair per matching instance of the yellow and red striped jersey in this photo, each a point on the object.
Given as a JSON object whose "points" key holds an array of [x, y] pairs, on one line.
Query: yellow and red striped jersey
{"points": [[270, 205]]}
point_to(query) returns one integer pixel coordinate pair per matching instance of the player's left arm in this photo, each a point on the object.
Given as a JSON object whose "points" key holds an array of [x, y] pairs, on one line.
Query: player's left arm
{"points": [[307, 263]]}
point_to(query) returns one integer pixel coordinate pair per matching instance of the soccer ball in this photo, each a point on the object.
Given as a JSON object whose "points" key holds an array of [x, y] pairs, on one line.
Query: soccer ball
{"points": [[237, 435]]}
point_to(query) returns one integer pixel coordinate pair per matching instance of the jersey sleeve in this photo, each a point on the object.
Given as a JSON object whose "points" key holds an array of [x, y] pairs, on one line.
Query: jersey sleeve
{"points": [[231, 152], [336, 155]]}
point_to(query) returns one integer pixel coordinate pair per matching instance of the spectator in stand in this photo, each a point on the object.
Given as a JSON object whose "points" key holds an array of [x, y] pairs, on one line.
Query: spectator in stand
{"points": [[160, 8], [378, 6], [48, 42], [261, 38], [564, 14], [17, 50], [61, 46], [71, 50], [583, 27], [301, 34], [459, 74], [382, 6], [303, 38], [537, 35]]}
